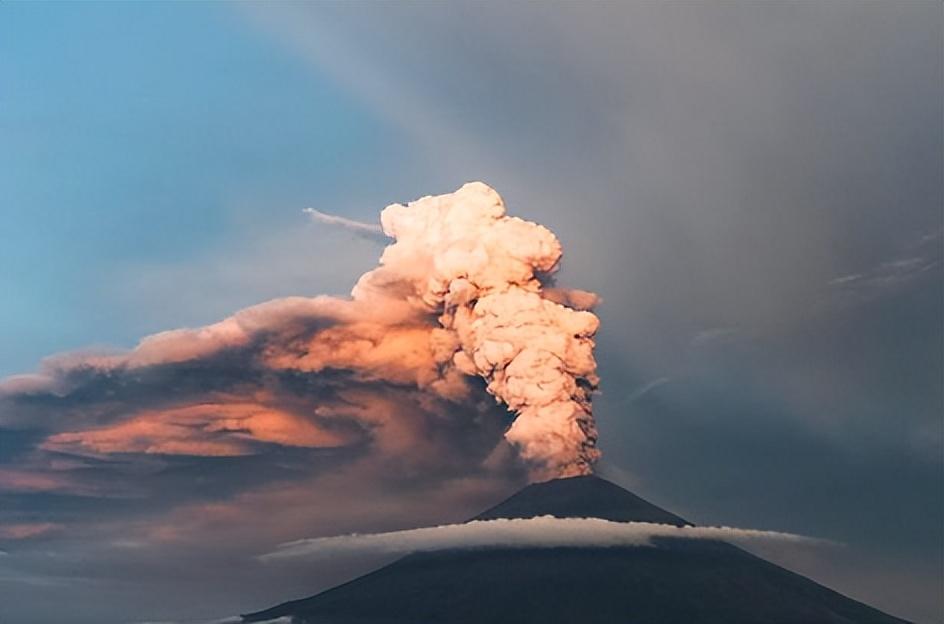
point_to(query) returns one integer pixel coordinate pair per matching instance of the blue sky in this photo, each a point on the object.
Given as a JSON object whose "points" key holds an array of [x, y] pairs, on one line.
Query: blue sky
{"points": [[755, 190], [149, 134]]}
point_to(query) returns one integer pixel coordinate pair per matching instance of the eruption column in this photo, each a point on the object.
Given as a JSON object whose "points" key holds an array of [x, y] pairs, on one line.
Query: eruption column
{"points": [[459, 258]]}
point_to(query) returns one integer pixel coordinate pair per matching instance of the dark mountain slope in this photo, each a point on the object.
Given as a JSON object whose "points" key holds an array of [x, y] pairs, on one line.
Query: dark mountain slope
{"points": [[580, 497], [678, 582]]}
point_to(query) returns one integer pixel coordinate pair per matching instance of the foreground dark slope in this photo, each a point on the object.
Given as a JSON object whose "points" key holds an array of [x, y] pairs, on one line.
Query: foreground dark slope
{"points": [[680, 581]]}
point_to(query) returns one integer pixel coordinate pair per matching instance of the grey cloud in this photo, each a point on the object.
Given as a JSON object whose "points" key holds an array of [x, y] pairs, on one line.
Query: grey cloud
{"points": [[715, 166], [706, 166]]}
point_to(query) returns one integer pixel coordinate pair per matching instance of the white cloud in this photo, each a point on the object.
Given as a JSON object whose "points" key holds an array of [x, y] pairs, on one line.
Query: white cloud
{"points": [[714, 335], [235, 619], [921, 257], [537, 532], [372, 231], [644, 389]]}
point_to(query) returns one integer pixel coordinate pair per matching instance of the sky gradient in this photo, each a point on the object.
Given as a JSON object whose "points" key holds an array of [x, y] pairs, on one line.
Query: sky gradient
{"points": [[754, 189]]}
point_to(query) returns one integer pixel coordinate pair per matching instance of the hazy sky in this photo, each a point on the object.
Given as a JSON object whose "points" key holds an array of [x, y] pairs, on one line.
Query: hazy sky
{"points": [[755, 190]]}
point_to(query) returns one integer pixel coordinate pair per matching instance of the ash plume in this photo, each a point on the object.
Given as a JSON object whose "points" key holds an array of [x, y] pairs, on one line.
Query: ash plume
{"points": [[460, 257], [460, 294]]}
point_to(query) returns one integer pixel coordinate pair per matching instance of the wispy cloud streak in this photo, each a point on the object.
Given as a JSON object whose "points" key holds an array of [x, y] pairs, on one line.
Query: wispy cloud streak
{"points": [[644, 389], [924, 257], [370, 231]]}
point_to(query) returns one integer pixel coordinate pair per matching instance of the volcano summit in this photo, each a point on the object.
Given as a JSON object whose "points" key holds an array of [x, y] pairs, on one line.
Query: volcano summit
{"points": [[678, 581]]}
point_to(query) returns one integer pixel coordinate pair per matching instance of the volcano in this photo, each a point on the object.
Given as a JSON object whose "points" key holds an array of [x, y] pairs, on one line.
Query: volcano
{"points": [[679, 581]]}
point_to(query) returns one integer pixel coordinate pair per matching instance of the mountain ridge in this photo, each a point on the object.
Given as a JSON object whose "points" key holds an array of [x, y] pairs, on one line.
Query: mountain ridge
{"points": [[586, 496], [679, 581]]}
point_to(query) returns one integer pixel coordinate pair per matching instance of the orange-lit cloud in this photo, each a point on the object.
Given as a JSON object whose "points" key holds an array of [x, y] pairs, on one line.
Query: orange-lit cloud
{"points": [[26, 530], [27, 481], [212, 429]]}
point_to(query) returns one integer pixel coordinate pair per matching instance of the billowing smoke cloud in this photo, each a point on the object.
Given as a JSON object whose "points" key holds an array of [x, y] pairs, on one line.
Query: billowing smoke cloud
{"points": [[538, 532], [458, 296], [460, 257]]}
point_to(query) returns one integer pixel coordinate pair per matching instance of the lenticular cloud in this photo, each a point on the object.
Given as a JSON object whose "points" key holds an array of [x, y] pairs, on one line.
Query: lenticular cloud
{"points": [[537, 532]]}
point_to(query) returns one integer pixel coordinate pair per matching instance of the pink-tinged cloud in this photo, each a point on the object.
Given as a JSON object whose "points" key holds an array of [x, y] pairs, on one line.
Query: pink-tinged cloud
{"points": [[400, 354], [26, 530], [28, 481], [280, 321], [211, 429]]}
